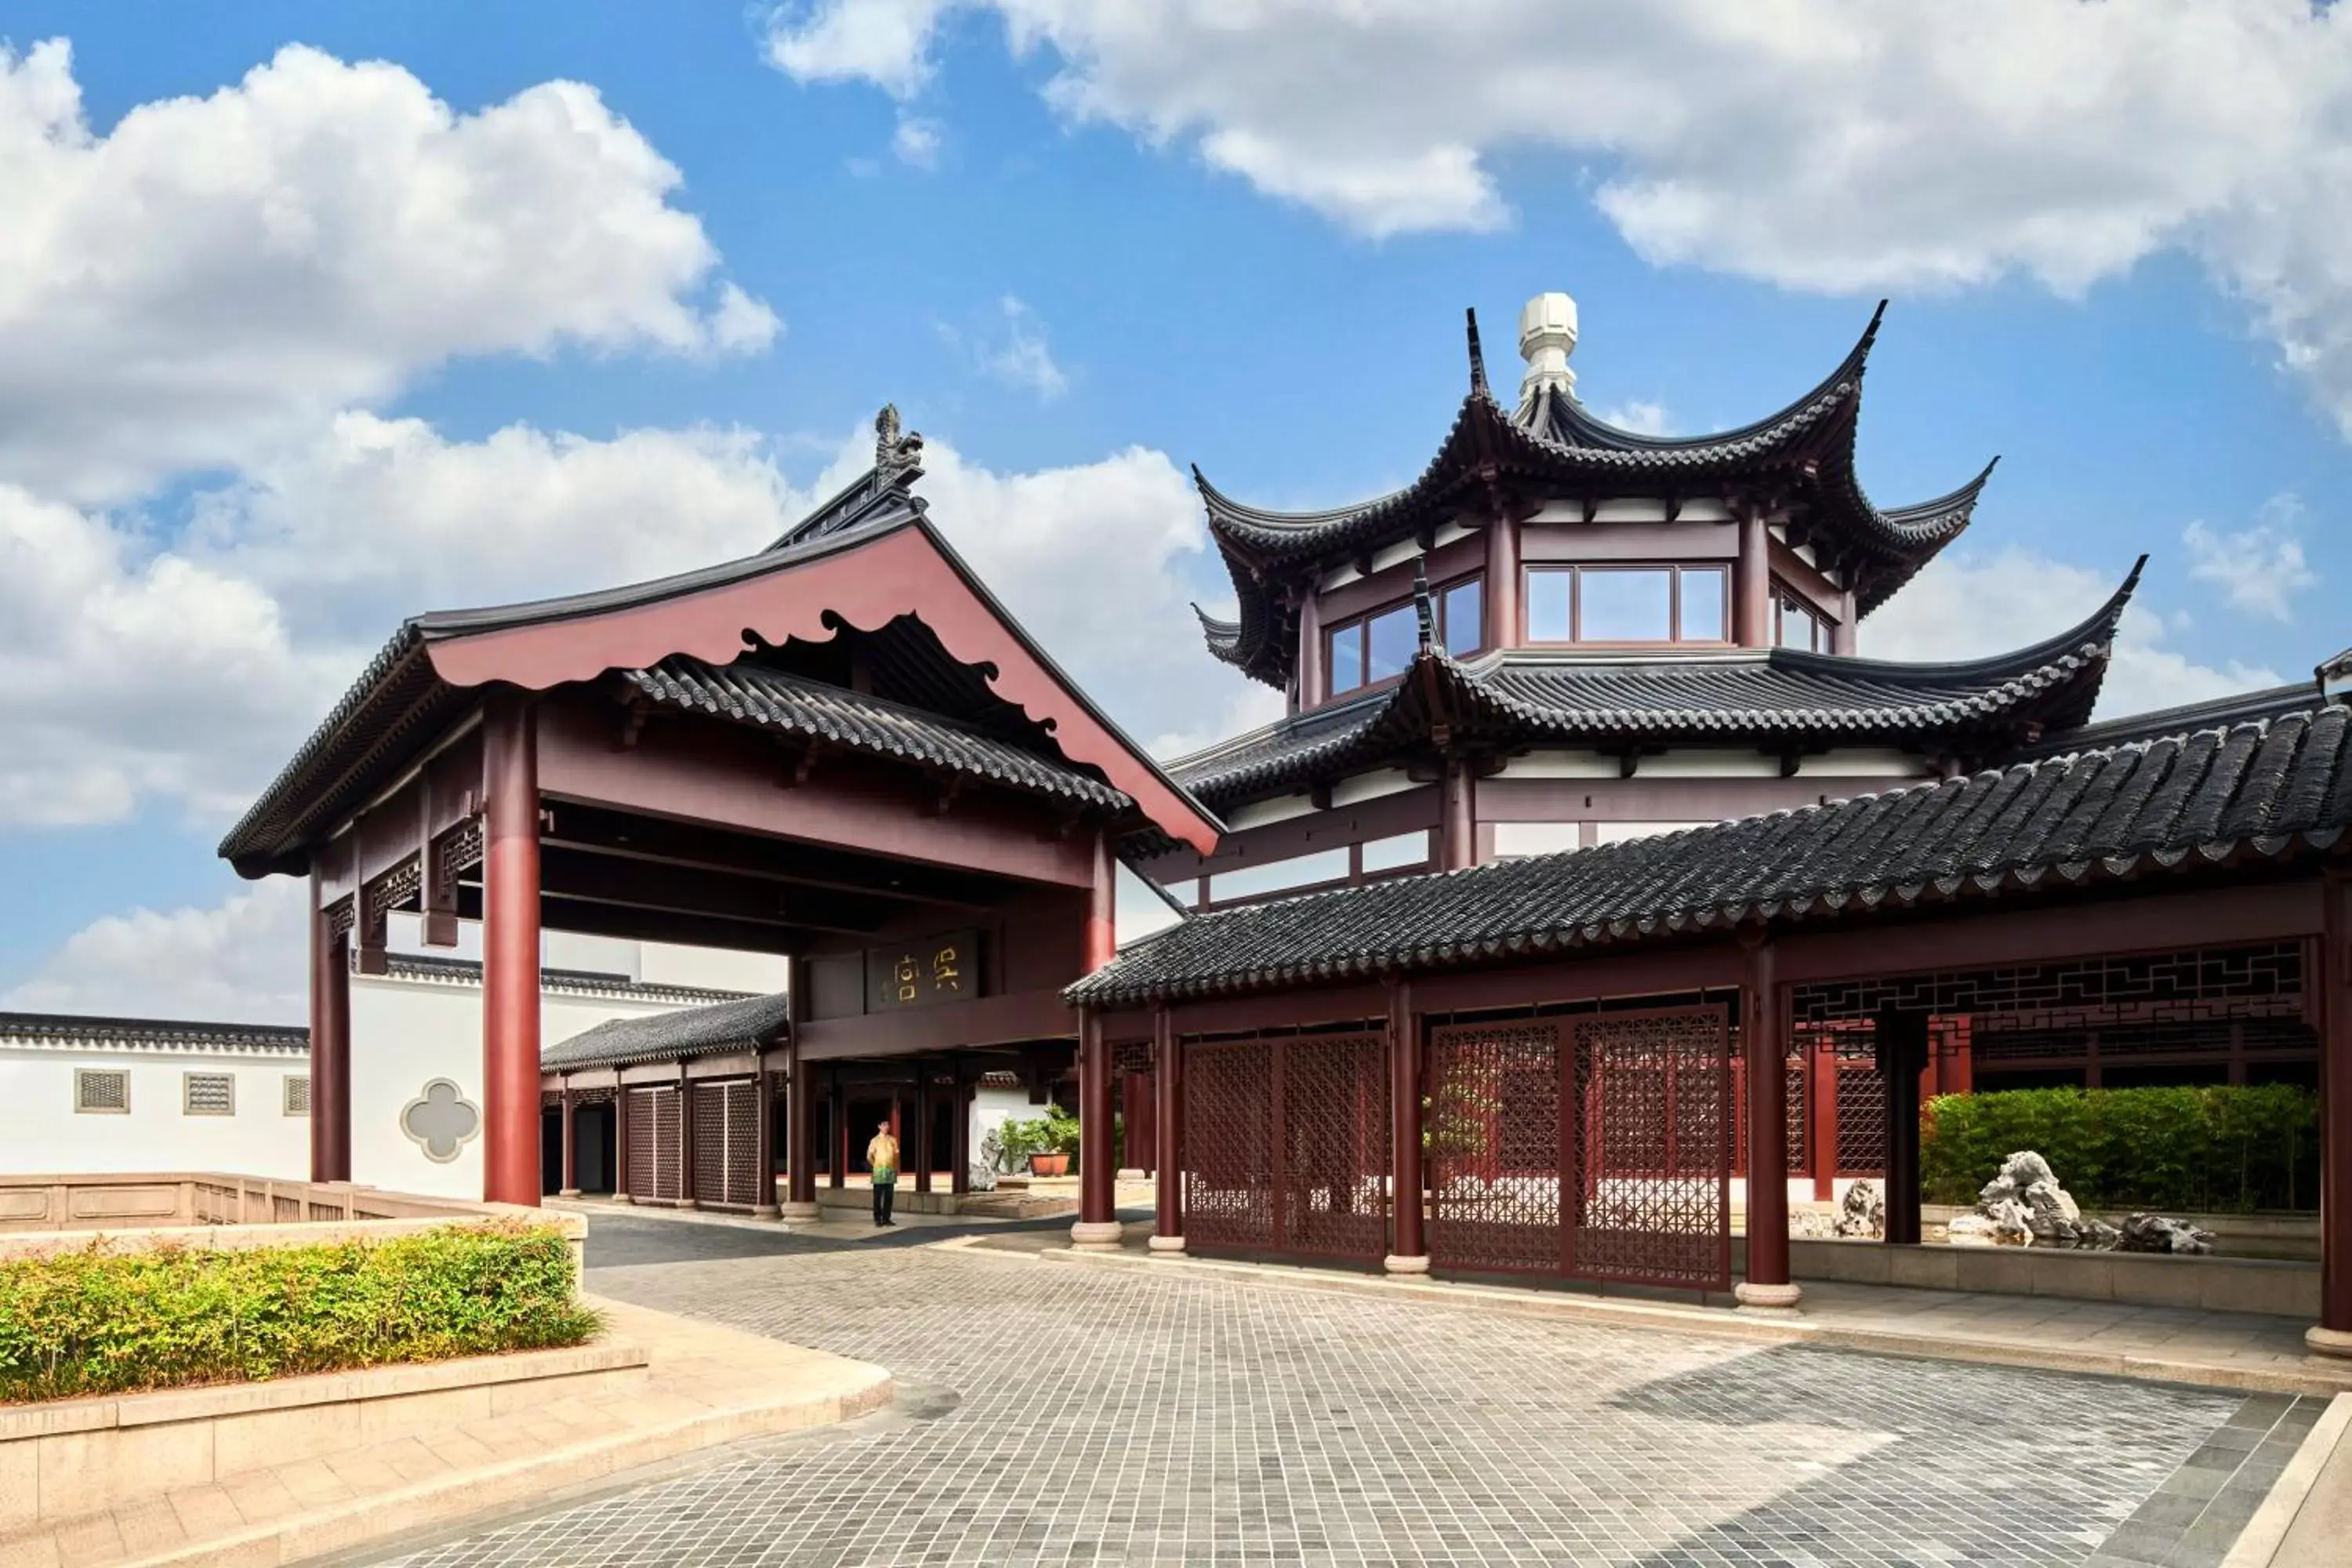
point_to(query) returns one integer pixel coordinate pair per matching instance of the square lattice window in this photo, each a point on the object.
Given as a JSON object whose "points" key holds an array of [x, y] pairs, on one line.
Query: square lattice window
{"points": [[208, 1094], [298, 1094], [102, 1090]]}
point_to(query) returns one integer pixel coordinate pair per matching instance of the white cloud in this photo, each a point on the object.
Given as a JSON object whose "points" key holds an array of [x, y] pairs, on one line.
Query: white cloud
{"points": [[1019, 358], [915, 141], [243, 961], [1642, 419], [887, 42], [377, 518], [2258, 569], [1909, 143], [131, 673], [1964, 606], [126, 674], [215, 276]]}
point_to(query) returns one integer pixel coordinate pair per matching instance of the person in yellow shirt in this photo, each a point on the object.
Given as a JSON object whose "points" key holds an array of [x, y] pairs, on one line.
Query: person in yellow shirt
{"points": [[882, 1159]]}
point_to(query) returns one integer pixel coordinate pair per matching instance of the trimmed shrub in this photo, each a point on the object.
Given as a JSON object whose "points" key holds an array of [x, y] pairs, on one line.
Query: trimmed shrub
{"points": [[98, 1322], [2210, 1150]]}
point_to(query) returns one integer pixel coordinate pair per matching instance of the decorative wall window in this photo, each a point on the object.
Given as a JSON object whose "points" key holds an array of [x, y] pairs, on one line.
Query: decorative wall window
{"points": [[1399, 852], [208, 1094], [1378, 647], [102, 1090], [298, 1094], [1627, 603], [1795, 626], [1462, 617]]}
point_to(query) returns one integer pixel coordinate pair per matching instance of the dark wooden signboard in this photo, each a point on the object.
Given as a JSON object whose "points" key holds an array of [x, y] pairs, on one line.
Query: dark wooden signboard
{"points": [[923, 973]]}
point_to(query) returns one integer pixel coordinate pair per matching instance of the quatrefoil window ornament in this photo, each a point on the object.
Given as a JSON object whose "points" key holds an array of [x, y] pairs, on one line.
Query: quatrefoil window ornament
{"points": [[441, 1120]]}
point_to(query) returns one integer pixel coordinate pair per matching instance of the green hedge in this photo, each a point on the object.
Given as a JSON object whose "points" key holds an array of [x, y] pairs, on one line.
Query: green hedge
{"points": [[97, 1321], [2212, 1150]]}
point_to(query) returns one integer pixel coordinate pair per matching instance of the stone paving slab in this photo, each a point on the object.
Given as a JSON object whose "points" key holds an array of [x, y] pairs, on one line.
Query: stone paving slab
{"points": [[1174, 1414], [705, 1385], [2257, 1353]]}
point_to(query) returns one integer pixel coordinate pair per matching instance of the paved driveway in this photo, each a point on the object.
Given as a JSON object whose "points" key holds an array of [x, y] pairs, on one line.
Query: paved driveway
{"points": [[1059, 1413]]}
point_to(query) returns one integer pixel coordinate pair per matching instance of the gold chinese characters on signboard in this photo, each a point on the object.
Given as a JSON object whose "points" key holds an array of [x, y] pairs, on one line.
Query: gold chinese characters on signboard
{"points": [[923, 973]]}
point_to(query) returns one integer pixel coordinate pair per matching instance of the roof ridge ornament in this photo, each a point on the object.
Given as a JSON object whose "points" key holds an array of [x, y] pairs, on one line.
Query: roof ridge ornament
{"points": [[1477, 354], [897, 459], [1421, 605], [1546, 337]]}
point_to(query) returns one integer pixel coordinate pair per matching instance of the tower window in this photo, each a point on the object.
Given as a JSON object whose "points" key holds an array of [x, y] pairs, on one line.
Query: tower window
{"points": [[1631, 604]]}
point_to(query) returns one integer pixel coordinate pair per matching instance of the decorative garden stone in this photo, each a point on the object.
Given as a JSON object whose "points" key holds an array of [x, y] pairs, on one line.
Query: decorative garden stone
{"points": [[1863, 1211], [2154, 1232]]}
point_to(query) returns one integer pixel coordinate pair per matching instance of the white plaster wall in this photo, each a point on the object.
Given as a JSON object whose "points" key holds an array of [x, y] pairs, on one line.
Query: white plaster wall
{"points": [[1618, 832], [660, 963], [44, 1133], [1515, 838], [406, 1033], [992, 1108]]}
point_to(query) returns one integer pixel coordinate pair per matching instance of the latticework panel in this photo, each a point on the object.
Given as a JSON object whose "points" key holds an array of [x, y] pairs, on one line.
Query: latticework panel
{"points": [[1654, 1117], [654, 1144], [2262, 980], [707, 1103], [1335, 1108], [1793, 1080], [1228, 1155], [1491, 1128], [1861, 1119]]}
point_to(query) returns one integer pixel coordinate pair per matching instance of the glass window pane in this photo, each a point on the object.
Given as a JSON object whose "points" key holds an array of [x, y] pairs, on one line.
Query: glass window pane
{"points": [[1391, 854], [1624, 607], [1547, 606], [1702, 597], [1786, 630], [1347, 659], [1396, 637], [1280, 875], [1464, 629]]}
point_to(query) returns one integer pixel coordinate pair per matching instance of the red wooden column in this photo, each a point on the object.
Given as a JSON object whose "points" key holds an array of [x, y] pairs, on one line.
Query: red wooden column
{"points": [[1310, 651], [800, 1138], [1843, 636], [1822, 1110], [922, 1139], [1502, 584], [621, 1141], [1768, 1285], [1903, 1048], [1410, 1252], [2331, 1335], [331, 1048], [1458, 846], [960, 1131], [510, 951], [763, 1142], [1751, 582], [838, 1176], [570, 1186], [1098, 1222], [1167, 1109]]}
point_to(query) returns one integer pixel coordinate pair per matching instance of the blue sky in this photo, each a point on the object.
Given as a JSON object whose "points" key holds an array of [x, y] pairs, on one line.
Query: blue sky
{"points": [[1079, 254]]}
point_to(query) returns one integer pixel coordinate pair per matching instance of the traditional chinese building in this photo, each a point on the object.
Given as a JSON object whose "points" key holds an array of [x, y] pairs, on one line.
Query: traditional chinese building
{"points": [[1589, 872]]}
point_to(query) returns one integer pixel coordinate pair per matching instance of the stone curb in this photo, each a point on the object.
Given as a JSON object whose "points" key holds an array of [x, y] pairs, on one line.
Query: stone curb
{"points": [[2259, 1542], [859, 1388], [1724, 1325], [394, 1381]]}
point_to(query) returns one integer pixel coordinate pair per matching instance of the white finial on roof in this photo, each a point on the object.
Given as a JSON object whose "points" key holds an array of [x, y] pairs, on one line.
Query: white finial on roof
{"points": [[1546, 337]]}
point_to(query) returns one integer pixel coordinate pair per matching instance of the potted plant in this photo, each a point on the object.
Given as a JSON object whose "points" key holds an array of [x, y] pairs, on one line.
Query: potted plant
{"points": [[1046, 1142]]}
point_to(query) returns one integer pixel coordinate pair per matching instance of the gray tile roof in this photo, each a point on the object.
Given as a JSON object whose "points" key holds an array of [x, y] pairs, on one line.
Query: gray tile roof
{"points": [[834, 715], [588, 981], [70, 1032], [720, 1026], [1553, 445], [2254, 792], [1522, 697]]}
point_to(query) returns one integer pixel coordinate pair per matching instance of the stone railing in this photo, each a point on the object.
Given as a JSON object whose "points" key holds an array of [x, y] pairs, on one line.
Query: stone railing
{"points": [[41, 1212]]}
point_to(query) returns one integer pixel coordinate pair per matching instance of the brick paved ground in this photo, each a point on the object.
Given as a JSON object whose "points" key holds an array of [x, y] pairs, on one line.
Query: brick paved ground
{"points": [[1145, 1416]]}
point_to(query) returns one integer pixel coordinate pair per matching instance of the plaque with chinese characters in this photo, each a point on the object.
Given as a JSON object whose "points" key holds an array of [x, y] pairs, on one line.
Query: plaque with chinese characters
{"points": [[923, 973]]}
